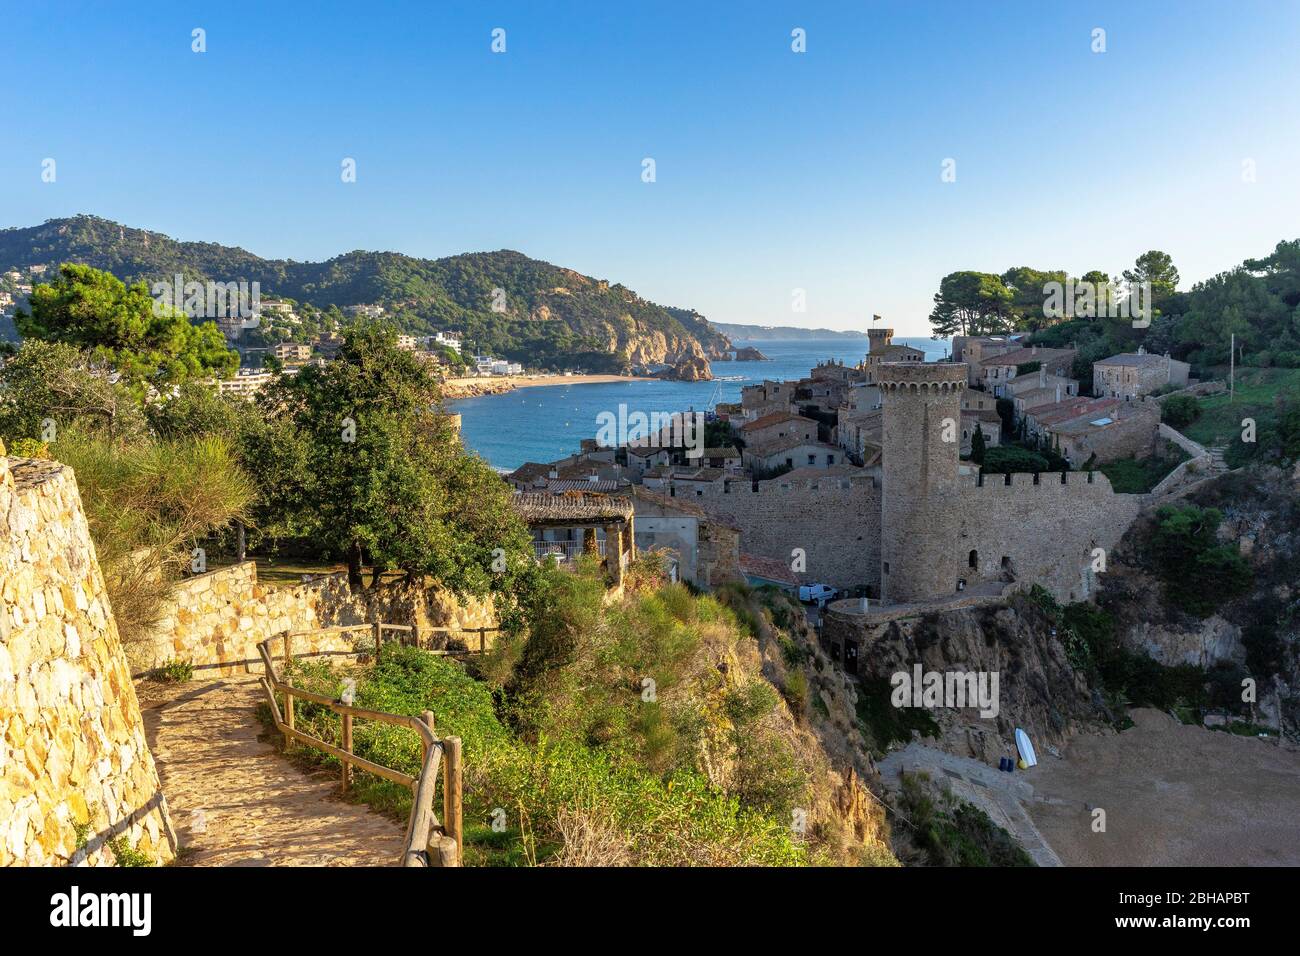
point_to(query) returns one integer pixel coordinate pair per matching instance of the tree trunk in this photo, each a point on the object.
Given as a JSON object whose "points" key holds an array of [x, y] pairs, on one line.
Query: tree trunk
{"points": [[354, 567], [241, 546]]}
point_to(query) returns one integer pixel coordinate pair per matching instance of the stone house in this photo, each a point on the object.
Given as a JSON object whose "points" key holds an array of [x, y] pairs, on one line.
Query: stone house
{"points": [[1132, 374], [566, 526], [1128, 430], [974, 349], [776, 426], [705, 547], [792, 451], [996, 372], [989, 423]]}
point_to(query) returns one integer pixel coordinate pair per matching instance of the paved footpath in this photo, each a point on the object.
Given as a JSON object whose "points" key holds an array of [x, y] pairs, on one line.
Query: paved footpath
{"points": [[235, 801], [1001, 795]]}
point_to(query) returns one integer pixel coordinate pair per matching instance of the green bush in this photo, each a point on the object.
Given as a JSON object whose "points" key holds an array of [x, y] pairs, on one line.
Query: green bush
{"points": [[175, 671], [1180, 411], [1199, 574], [584, 743], [1009, 459]]}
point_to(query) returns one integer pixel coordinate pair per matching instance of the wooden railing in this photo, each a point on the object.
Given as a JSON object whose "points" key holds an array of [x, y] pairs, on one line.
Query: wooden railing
{"points": [[428, 842]]}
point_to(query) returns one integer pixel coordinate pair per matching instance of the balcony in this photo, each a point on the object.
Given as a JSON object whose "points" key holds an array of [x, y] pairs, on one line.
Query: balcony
{"points": [[564, 550]]}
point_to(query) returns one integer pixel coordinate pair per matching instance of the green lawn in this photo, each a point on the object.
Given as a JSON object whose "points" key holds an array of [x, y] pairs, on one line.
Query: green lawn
{"points": [[1256, 388], [1128, 476]]}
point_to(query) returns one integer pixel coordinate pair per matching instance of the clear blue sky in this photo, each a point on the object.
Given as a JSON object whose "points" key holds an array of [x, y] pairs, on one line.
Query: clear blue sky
{"points": [[775, 170]]}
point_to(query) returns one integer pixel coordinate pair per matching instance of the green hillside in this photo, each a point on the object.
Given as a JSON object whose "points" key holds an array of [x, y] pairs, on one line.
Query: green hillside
{"points": [[550, 317]]}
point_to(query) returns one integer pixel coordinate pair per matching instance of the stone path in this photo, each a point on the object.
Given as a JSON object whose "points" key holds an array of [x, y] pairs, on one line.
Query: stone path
{"points": [[235, 801], [1217, 465], [1001, 795]]}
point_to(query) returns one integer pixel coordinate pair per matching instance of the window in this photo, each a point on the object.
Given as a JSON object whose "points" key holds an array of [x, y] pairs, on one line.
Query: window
{"points": [[812, 459], [974, 559], [830, 459]]}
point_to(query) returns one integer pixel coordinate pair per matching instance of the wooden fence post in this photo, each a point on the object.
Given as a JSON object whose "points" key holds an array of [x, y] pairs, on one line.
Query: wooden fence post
{"points": [[347, 745], [288, 649], [452, 823], [427, 717], [379, 638], [288, 717], [482, 640]]}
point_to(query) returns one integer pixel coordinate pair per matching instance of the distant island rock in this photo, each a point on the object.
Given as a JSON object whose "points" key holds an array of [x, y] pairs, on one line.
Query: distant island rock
{"points": [[748, 353], [691, 368]]}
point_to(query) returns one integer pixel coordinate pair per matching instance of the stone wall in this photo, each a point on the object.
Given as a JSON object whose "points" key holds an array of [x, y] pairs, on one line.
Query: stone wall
{"points": [[1040, 529], [76, 773], [1132, 435], [215, 621], [836, 521]]}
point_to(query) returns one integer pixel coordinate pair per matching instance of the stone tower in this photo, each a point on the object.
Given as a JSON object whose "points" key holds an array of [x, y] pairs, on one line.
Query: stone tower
{"points": [[879, 338], [920, 548]]}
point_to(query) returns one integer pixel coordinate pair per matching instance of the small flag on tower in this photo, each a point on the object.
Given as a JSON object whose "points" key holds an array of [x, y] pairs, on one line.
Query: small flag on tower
{"points": [[875, 318]]}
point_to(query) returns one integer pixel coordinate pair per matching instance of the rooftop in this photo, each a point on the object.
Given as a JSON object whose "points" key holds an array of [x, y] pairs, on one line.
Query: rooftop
{"points": [[774, 418], [769, 569], [1022, 355], [1134, 360], [571, 506]]}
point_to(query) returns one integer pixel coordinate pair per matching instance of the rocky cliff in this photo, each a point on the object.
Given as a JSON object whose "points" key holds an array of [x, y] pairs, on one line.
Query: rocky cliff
{"points": [[1038, 688], [503, 303], [1258, 632]]}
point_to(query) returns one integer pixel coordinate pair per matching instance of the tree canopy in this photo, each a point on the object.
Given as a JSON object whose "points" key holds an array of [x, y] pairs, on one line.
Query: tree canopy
{"points": [[358, 457], [146, 343]]}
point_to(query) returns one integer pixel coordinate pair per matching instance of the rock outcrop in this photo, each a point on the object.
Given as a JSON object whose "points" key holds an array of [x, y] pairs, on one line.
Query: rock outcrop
{"points": [[692, 368]]}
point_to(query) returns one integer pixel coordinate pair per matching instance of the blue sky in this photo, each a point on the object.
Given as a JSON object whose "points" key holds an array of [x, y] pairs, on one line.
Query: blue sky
{"points": [[775, 170]]}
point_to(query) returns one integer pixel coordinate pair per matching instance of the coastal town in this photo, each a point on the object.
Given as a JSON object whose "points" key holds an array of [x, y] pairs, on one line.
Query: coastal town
{"points": [[786, 486]]}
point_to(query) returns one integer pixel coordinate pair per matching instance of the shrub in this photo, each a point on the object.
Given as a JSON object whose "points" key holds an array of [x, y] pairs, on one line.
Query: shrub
{"points": [[1008, 459], [175, 671], [1180, 411], [1199, 573]]}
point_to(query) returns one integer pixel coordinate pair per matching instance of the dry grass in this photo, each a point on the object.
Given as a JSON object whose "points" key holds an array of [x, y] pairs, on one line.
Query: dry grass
{"points": [[591, 838]]}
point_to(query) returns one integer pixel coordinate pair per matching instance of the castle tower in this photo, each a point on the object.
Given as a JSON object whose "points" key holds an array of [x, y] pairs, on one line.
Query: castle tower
{"points": [[879, 338], [920, 548]]}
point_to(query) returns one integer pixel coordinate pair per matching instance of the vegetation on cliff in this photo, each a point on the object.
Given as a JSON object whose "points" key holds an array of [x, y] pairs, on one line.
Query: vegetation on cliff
{"points": [[638, 732], [543, 315]]}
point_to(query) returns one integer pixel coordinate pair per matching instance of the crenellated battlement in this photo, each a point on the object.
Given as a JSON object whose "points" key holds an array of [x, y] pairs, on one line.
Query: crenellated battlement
{"points": [[1078, 481], [829, 486], [917, 377]]}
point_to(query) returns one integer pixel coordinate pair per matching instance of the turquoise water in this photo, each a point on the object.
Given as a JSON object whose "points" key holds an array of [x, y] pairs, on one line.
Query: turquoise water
{"points": [[546, 423]]}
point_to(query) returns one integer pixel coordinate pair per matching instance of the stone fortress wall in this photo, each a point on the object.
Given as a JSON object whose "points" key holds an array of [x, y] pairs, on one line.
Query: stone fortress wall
{"points": [[76, 773], [1041, 531], [943, 524], [836, 521]]}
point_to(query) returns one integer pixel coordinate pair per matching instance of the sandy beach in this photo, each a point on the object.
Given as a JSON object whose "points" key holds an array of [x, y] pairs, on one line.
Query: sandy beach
{"points": [[1174, 795], [495, 385]]}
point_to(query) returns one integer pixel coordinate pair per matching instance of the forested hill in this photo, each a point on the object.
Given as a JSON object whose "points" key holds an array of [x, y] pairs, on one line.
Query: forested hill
{"points": [[549, 316], [782, 333]]}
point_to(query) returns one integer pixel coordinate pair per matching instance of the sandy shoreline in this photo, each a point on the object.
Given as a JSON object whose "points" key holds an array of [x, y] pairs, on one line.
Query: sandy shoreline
{"points": [[495, 385], [1174, 795]]}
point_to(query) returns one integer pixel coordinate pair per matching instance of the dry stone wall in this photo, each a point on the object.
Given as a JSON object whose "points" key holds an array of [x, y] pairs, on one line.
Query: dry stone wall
{"points": [[76, 775], [215, 621]]}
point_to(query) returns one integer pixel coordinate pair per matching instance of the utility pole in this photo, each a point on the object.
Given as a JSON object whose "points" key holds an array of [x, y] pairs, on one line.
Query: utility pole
{"points": [[1232, 369]]}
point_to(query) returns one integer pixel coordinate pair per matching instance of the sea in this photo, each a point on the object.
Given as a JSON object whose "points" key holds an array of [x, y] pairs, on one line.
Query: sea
{"points": [[548, 422]]}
